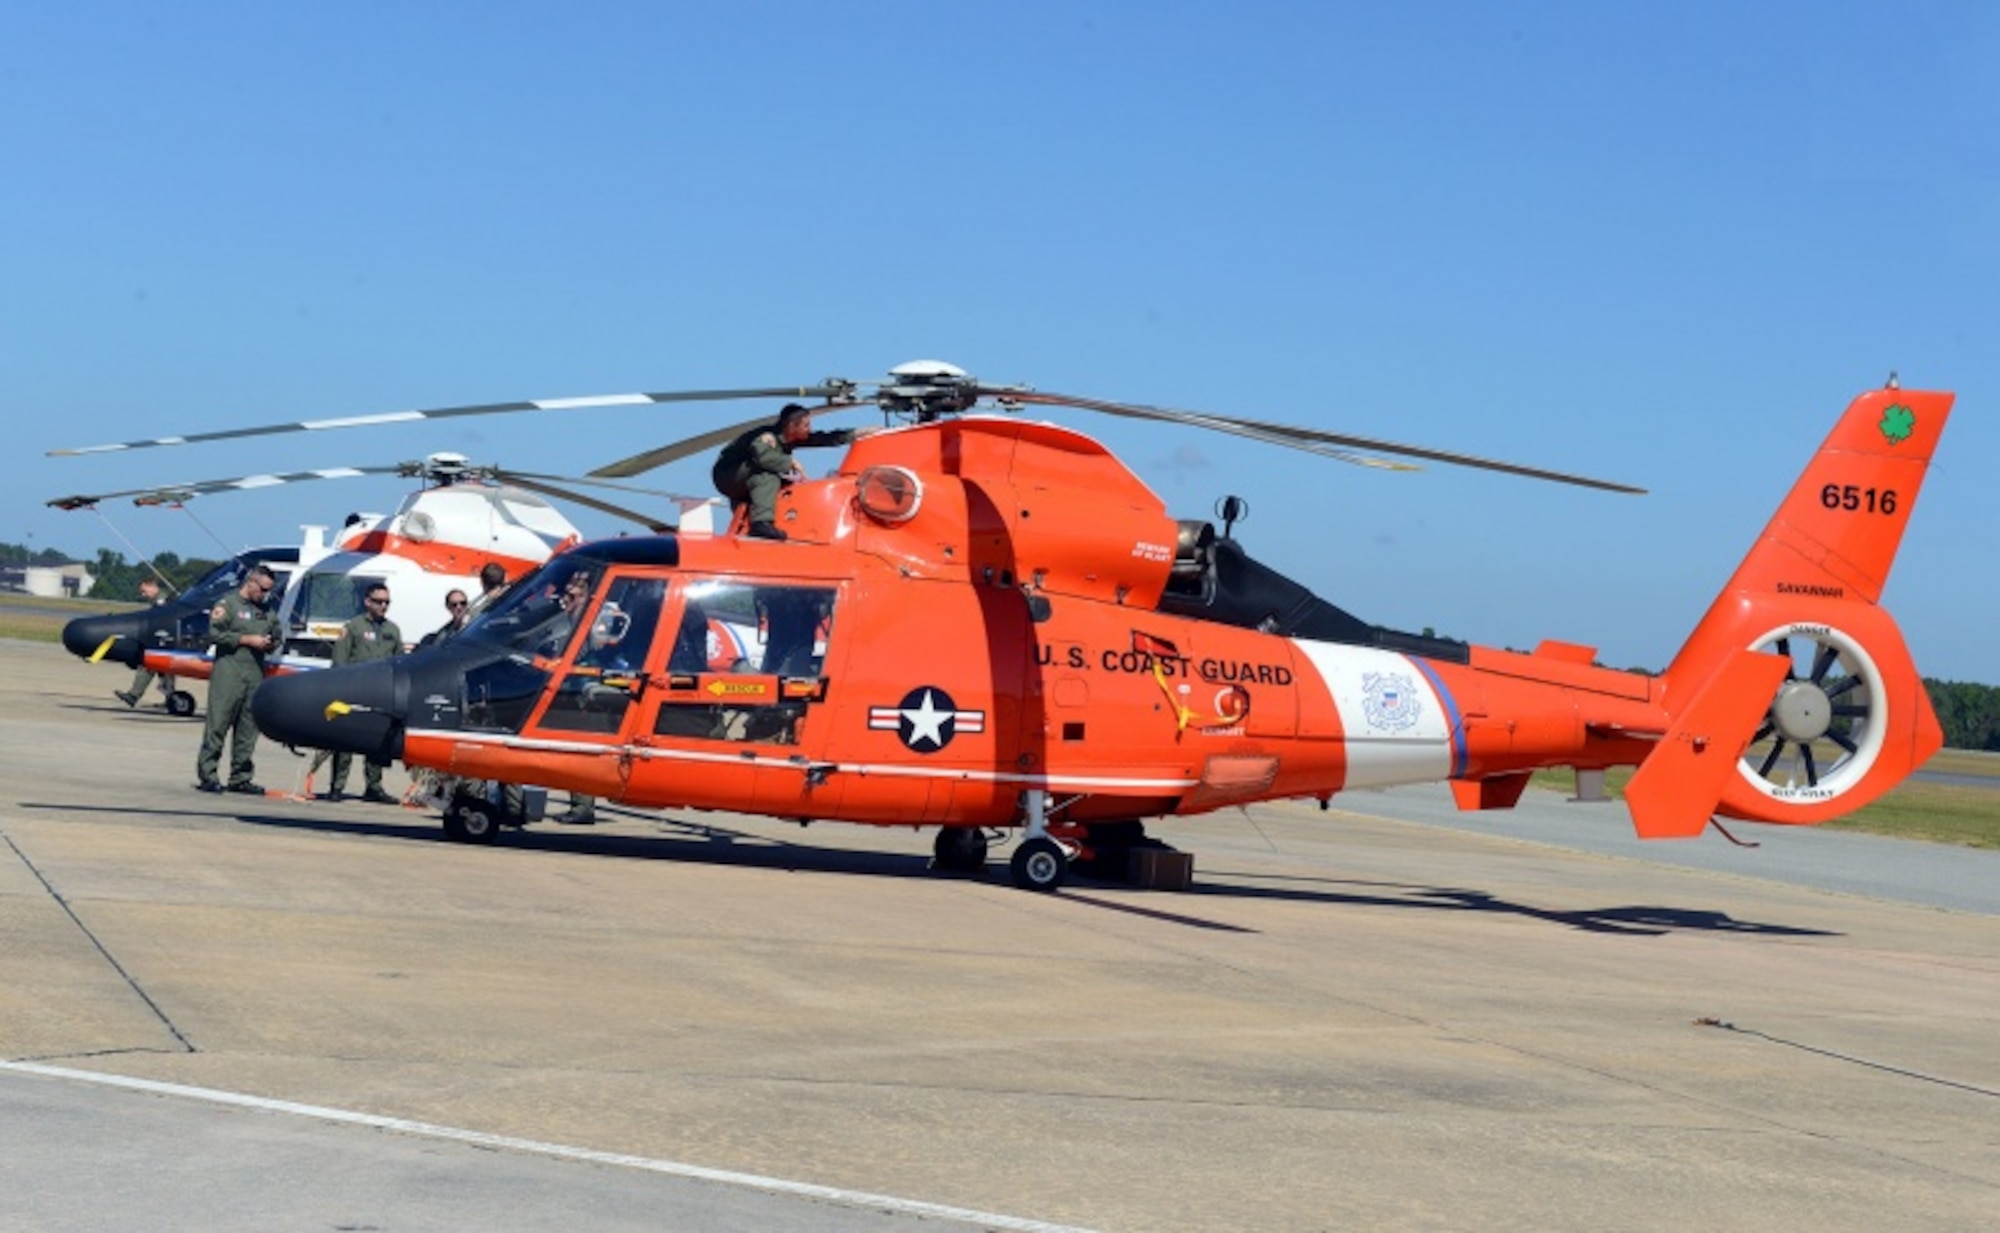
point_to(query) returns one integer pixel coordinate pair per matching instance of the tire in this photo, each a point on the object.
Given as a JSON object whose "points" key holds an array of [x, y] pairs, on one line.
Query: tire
{"points": [[467, 819], [180, 704], [959, 849], [1039, 865]]}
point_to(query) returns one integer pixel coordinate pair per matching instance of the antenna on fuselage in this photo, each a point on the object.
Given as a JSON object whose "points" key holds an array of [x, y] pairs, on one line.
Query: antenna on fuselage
{"points": [[1232, 510]]}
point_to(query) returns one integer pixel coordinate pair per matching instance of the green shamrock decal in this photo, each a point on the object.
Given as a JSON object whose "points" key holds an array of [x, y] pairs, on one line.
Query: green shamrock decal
{"points": [[1898, 422]]}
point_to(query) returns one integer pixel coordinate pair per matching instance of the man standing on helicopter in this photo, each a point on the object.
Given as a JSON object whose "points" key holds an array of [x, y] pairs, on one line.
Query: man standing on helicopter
{"points": [[754, 468]]}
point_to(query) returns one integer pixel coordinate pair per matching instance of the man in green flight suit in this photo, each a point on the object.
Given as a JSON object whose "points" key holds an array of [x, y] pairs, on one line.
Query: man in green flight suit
{"points": [[149, 592], [243, 632], [754, 468], [369, 635]]}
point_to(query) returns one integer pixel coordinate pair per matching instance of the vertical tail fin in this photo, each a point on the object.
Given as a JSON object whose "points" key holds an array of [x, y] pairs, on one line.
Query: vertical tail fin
{"points": [[1837, 532], [1850, 718]]}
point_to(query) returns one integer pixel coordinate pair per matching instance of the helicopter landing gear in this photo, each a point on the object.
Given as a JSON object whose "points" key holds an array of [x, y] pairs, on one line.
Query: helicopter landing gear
{"points": [[470, 818], [180, 704], [959, 849], [1040, 863]]}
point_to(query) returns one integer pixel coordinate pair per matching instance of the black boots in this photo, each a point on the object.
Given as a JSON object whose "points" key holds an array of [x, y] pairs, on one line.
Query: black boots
{"points": [[765, 530]]}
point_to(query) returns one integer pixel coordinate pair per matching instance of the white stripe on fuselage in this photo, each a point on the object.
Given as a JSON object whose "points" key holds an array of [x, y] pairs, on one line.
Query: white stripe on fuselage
{"points": [[743, 757], [1396, 727]]}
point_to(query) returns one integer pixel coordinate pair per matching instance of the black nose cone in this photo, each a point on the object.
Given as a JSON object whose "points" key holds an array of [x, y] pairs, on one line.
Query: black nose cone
{"points": [[350, 710], [124, 632]]}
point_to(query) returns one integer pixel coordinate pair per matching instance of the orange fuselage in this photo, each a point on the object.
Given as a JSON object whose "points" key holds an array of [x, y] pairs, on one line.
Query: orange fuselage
{"points": [[997, 627]]}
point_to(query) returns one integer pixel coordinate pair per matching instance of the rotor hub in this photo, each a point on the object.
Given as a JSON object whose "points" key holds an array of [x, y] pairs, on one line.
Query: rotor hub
{"points": [[1801, 711], [927, 389]]}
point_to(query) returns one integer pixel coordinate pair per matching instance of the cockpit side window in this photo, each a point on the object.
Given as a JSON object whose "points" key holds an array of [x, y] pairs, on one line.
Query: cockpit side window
{"points": [[605, 679]]}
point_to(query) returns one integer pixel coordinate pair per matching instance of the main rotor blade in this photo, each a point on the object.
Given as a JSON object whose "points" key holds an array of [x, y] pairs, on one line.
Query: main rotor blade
{"points": [[829, 390], [1299, 438], [166, 494], [650, 522], [507, 476], [662, 455]]}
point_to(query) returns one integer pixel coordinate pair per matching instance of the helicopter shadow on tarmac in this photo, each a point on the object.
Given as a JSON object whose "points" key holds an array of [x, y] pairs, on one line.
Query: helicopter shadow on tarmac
{"points": [[684, 840], [679, 840], [1635, 920]]}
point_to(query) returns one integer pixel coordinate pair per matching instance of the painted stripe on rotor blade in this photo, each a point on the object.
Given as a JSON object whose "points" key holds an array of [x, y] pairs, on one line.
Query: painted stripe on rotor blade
{"points": [[607, 400], [352, 421], [129, 445]]}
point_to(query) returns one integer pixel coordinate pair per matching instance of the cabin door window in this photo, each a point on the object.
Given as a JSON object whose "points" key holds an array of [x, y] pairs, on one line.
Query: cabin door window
{"points": [[748, 661]]}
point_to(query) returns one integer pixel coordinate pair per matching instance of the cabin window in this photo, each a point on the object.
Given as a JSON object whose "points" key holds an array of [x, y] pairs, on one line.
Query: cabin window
{"points": [[331, 598], [747, 661]]}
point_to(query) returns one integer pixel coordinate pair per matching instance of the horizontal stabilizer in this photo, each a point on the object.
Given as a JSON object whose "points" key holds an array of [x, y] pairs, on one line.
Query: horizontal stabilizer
{"points": [[1675, 791]]}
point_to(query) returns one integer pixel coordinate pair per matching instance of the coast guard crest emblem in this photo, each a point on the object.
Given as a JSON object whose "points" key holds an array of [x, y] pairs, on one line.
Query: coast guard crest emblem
{"points": [[1389, 700]]}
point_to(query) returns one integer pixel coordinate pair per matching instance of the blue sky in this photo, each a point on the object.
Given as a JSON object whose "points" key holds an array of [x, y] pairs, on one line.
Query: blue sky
{"points": [[1660, 243]]}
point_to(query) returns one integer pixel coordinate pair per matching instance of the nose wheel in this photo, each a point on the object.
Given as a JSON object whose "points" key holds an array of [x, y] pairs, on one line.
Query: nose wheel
{"points": [[469, 818], [180, 704]]}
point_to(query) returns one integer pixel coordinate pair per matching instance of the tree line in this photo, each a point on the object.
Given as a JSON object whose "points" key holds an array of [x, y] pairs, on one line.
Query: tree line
{"points": [[1969, 713], [117, 581]]}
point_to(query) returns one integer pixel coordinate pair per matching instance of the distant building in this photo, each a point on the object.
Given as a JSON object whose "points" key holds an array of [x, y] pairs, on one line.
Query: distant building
{"points": [[70, 580]]}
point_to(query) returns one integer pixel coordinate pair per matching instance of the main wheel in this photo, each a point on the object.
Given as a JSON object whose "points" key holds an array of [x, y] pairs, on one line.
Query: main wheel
{"points": [[1039, 865], [960, 849], [180, 703], [468, 819]]}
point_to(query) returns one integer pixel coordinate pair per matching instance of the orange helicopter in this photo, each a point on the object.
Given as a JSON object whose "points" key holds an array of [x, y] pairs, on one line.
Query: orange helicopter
{"points": [[982, 622]]}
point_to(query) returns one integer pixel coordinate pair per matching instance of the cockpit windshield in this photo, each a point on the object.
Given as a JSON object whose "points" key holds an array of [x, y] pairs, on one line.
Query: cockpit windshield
{"points": [[227, 577], [539, 614]]}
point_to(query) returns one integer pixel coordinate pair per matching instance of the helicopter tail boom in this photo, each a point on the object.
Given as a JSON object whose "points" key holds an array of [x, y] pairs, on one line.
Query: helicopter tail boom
{"points": [[1795, 700]]}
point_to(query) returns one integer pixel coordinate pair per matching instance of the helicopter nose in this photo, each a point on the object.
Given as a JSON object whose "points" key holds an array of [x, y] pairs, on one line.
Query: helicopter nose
{"points": [[121, 634], [351, 710]]}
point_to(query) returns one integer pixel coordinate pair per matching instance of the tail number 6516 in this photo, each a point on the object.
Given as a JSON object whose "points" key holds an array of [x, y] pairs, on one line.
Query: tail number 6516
{"points": [[1855, 497]]}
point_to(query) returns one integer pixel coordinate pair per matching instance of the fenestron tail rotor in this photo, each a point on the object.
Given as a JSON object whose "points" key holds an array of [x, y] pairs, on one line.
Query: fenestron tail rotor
{"points": [[1825, 724]]}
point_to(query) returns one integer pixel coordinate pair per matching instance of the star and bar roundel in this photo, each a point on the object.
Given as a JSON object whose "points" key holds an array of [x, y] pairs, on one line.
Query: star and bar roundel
{"points": [[926, 719]]}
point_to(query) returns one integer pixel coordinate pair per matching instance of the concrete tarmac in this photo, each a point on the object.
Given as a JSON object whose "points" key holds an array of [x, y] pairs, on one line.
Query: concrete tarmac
{"points": [[232, 1013]]}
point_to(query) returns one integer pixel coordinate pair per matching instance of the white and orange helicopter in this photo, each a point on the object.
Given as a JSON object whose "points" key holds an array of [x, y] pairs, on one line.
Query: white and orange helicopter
{"points": [[987, 624], [461, 518]]}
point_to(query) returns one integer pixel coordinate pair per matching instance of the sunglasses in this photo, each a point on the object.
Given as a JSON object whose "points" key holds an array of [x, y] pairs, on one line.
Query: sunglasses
{"points": [[454, 603], [383, 602]]}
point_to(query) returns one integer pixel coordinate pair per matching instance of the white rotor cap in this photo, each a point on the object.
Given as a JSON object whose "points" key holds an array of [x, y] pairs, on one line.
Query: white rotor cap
{"points": [[927, 370]]}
